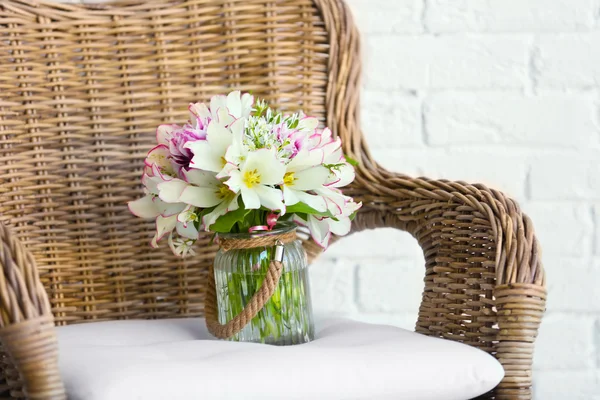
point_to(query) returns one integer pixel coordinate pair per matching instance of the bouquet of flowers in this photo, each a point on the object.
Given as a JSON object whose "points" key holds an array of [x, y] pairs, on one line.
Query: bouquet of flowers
{"points": [[240, 166]]}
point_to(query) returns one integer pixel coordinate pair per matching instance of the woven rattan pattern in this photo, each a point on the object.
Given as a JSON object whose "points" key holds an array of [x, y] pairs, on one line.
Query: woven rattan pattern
{"points": [[82, 88]]}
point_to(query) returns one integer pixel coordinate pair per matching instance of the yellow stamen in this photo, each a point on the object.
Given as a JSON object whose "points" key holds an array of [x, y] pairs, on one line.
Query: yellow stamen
{"points": [[223, 192], [251, 178], [288, 179], [223, 161]]}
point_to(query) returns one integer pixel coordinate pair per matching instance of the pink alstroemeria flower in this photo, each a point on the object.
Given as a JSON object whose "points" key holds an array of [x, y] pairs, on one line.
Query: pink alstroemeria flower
{"points": [[176, 137]]}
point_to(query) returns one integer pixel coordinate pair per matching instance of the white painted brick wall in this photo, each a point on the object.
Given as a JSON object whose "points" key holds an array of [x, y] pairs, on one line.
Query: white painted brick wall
{"points": [[568, 61], [462, 61], [503, 92], [519, 16], [500, 118]]}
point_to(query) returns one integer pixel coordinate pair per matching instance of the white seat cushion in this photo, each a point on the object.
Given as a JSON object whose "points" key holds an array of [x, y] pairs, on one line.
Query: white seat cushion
{"points": [[177, 359]]}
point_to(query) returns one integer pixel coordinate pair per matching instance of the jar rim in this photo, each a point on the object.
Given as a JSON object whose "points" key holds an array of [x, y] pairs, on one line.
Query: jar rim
{"points": [[279, 229]]}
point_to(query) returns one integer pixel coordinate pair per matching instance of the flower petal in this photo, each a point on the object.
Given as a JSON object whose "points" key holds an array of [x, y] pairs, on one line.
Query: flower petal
{"points": [[227, 170], [198, 111], [269, 197], [250, 198], [335, 199], [237, 128], [219, 137], [234, 104], [268, 166], [333, 152], [319, 230], [170, 191], [217, 102], [247, 102], [164, 225], [159, 156], [143, 208], [164, 132], [212, 216], [315, 201], [308, 124], [289, 196], [311, 178], [340, 227], [344, 175], [200, 178], [224, 117], [188, 231], [151, 183], [204, 156], [154, 241], [168, 209], [200, 196], [235, 181], [299, 220], [305, 159]]}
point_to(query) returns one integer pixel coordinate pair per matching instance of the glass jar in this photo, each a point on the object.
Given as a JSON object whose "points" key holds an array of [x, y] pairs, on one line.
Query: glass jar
{"points": [[287, 317]]}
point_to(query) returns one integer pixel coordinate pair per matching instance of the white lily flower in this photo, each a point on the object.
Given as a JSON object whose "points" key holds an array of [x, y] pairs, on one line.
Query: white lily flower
{"points": [[186, 226], [261, 170], [336, 200], [308, 124], [342, 173], [209, 154], [318, 227], [204, 190], [305, 173], [200, 115], [166, 210], [166, 225], [160, 156], [321, 228], [151, 205], [239, 106], [237, 152]]}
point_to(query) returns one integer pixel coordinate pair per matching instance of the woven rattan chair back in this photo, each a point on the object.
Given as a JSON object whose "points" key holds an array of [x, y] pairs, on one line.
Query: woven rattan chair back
{"points": [[82, 89]]}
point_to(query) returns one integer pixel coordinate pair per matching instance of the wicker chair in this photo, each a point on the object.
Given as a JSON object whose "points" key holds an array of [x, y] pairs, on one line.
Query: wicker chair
{"points": [[82, 88]]}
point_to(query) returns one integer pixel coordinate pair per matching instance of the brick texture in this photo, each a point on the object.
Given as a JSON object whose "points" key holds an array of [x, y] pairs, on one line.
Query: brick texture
{"points": [[568, 60], [577, 334], [596, 212], [510, 15], [563, 228], [400, 16], [510, 119], [581, 172], [469, 62]]}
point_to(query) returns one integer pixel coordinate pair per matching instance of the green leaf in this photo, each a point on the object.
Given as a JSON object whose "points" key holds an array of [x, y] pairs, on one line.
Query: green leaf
{"points": [[352, 216], [351, 161], [303, 208], [225, 222]]}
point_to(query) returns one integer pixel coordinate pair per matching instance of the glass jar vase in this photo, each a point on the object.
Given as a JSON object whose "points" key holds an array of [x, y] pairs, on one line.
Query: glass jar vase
{"points": [[287, 317]]}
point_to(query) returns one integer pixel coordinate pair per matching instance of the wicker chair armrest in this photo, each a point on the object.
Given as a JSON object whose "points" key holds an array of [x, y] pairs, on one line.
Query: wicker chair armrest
{"points": [[416, 205], [27, 334], [484, 280]]}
